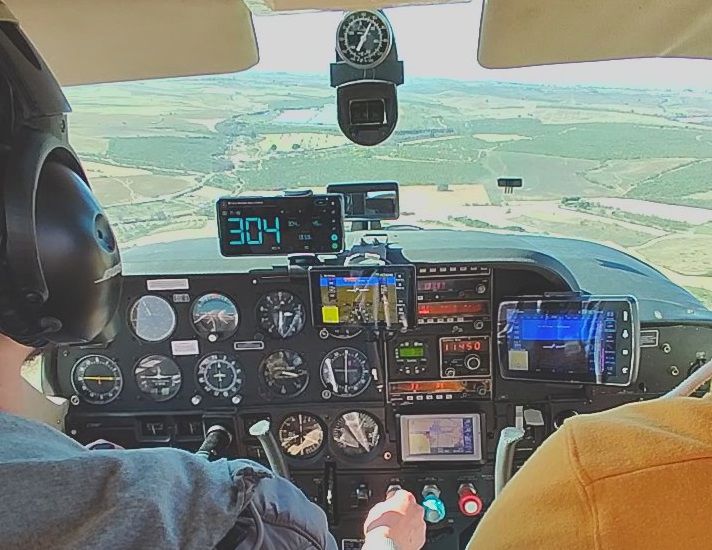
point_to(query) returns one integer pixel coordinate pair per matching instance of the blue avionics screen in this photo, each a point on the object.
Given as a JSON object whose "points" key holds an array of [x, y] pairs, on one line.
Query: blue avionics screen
{"points": [[355, 282], [587, 341], [561, 327]]}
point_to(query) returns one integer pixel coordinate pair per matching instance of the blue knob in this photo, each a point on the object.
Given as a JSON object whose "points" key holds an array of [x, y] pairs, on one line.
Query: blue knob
{"points": [[434, 508]]}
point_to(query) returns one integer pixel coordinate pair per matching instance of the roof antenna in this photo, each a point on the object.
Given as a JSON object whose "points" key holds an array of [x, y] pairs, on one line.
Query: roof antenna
{"points": [[509, 184]]}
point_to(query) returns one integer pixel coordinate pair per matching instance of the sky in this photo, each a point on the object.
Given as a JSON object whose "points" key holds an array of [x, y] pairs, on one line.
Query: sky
{"points": [[441, 41]]}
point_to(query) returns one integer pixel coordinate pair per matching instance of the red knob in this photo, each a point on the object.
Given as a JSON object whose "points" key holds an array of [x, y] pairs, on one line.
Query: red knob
{"points": [[469, 501]]}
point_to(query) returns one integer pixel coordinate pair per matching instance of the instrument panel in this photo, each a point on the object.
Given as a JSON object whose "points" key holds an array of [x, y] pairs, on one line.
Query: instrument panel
{"points": [[351, 413], [217, 342]]}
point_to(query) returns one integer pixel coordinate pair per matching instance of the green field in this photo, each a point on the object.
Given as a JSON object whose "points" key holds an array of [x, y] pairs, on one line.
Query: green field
{"points": [[161, 151]]}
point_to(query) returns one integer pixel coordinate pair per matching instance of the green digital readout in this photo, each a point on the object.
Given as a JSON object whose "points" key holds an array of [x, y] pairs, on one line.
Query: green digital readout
{"points": [[411, 352]]}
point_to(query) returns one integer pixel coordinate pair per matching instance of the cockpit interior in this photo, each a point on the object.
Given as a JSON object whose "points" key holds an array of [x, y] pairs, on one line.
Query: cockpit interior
{"points": [[373, 256]]}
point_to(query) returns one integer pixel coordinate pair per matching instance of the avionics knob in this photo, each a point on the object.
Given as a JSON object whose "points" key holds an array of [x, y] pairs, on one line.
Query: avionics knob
{"points": [[469, 501], [473, 362], [433, 505]]}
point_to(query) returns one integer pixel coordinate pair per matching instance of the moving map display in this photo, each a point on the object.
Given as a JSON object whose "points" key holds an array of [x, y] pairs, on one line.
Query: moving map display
{"points": [[441, 437]]}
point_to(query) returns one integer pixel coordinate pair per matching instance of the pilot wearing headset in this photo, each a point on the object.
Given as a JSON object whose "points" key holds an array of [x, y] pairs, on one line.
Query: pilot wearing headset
{"points": [[60, 281]]}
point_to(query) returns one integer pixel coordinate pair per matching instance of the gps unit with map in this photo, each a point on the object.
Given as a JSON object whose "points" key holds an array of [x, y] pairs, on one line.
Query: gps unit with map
{"points": [[441, 437], [375, 296]]}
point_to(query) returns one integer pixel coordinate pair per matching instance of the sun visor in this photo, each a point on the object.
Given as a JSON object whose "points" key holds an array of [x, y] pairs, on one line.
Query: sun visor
{"points": [[89, 41], [6, 14], [265, 7], [520, 33]]}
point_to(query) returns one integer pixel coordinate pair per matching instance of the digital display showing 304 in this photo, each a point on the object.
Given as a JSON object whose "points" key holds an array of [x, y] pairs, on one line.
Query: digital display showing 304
{"points": [[261, 226]]}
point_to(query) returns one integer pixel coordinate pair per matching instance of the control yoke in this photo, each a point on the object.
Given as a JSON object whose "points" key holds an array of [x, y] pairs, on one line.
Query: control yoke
{"points": [[504, 458], [217, 439], [261, 430], [525, 421]]}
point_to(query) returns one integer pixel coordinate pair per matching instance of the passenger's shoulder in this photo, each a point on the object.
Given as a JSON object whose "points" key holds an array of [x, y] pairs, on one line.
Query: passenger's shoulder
{"points": [[640, 435]]}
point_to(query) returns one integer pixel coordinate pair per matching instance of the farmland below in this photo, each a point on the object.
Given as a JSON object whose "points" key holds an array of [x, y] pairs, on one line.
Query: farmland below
{"points": [[630, 168]]}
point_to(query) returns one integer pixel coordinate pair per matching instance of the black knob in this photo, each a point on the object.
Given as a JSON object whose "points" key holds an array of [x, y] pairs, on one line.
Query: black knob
{"points": [[217, 439], [473, 362]]}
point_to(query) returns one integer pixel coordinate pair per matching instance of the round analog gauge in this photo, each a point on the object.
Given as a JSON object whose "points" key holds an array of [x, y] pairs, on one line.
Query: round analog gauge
{"points": [[215, 317], [301, 435], [364, 38], [281, 314], [345, 371], [284, 373], [158, 377], [220, 375], [152, 318], [356, 433], [97, 379]]}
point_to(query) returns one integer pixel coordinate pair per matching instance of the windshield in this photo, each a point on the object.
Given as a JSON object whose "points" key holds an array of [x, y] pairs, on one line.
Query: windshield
{"points": [[616, 152]]}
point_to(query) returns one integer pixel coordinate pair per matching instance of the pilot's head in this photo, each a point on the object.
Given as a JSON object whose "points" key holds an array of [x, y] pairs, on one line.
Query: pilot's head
{"points": [[60, 269]]}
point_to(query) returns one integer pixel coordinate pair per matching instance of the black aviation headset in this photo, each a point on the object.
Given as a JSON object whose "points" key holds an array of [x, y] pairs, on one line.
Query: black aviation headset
{"points": [[60, 268]]}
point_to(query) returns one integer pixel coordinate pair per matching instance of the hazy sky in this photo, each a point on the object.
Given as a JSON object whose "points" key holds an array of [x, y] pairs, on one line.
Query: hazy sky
{"points": [[442, 41]]}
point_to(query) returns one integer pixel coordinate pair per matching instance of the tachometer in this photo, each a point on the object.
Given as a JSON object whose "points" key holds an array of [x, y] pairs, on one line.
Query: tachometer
{"points": [[97, 379], [284, 373], [364, 38], [152, 318], [220, 375], [215, 316], [301, 435], [281, 314], [345, 372], [356, 433], [158, 377]]}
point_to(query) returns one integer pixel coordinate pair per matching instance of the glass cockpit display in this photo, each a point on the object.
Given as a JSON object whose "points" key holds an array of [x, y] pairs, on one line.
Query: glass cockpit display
{"points": [[583, 341], [378, 296], [264, 226]]}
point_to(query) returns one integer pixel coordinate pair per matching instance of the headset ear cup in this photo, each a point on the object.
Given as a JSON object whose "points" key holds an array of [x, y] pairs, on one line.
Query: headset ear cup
{"points": [[62, 261], [78, 254]]}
